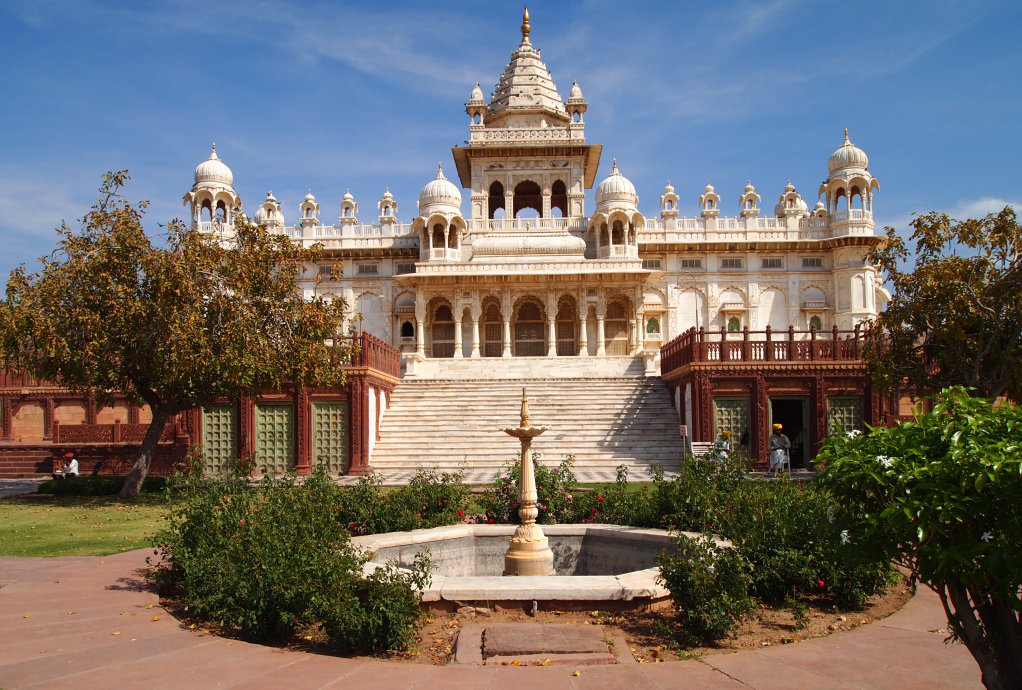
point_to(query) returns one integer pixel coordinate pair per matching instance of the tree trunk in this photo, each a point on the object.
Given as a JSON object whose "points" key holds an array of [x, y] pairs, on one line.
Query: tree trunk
{"points": [[146, 451]]}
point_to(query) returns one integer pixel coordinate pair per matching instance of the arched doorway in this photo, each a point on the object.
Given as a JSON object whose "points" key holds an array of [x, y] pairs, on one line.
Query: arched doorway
{"points": [[442, 332], [615, 329], [492, 326], [528, 330], [559, 198], [528, 195], [567, 328], [496, 198]]}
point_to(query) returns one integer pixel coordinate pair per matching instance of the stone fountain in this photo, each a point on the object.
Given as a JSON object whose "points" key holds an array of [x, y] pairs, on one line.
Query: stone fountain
{"points": [[528, 552], [597, 565]]}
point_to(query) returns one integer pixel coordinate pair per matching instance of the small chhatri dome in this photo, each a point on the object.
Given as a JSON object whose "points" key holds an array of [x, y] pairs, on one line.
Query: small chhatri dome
{"points": [[576, 92], [708, 189], [789, 187], [309, 197], [213, 170], [847, 156], [669, 189], [347, 195], [749, 188], [387, 196], [477, 95], [440, 191], [616, 187]]}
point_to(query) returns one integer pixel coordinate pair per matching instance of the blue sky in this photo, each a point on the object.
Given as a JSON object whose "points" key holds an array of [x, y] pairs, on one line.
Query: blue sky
{"points": [[331, 95]]}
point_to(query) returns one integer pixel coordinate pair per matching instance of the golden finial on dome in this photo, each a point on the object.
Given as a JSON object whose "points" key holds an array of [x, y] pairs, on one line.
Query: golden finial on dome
{"points": [[526, 29]]}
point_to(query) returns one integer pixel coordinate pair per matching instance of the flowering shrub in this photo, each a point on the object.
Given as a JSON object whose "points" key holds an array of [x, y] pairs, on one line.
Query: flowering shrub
{"points": [[274, 561], [431, 499], [940, 496], [555, 500], [709, 587]]}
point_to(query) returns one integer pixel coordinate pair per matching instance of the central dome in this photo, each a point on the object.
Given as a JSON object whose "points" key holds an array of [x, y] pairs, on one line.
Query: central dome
{"points": [[213, 170]]}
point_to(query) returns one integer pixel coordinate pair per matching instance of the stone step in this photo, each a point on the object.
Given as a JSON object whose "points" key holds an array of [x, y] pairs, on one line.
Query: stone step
{"points": [[602, 421]]}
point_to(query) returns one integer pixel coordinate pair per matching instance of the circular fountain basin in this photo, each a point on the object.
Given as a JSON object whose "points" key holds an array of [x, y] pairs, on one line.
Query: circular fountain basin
{"points": [[604, 565]]}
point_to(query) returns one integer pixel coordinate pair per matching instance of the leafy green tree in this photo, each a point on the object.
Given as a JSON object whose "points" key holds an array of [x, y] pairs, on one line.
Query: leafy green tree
{"points": [[173, 325], [942, 497], [955, 318]]}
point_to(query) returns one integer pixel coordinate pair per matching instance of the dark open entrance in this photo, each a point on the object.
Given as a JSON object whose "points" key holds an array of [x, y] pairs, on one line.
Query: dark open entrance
{"points": [[791, 414]]}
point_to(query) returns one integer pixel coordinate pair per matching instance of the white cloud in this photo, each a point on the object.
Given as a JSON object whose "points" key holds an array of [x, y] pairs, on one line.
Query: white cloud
{"points": [[978, 208]]}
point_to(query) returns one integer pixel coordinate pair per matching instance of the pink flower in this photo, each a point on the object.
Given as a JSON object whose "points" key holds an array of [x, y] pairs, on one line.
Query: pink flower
{"points": [[351, 526], [491, 521], [600, 499], [461, 512], [820, 584]]}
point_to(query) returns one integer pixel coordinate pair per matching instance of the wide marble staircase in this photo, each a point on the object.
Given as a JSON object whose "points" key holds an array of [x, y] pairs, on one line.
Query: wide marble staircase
{"points": [[457, 424]]}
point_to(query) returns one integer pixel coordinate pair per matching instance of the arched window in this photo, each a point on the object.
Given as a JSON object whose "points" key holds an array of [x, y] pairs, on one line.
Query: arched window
{"points": [[617, 234], [815, 323], [615, 329], [653, 326], [492, 327], [442, 344], [529, 337], [567, 327], [452, 238], [438, 236], [734, 324], [407, 330]]}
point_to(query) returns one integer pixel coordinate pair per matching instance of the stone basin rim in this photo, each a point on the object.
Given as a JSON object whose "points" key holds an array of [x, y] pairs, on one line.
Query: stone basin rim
{"points": [[639, 586]]}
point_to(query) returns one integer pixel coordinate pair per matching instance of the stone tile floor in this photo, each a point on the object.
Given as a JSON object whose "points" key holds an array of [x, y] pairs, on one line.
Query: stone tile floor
{"points": [[91, 622]]}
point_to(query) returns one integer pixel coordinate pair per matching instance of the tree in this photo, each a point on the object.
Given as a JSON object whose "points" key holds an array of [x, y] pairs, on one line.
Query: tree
{"points": [[174, 326], [939, 496], [956, 318]]}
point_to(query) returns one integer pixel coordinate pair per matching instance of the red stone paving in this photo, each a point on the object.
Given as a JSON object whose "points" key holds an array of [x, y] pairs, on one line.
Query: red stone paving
{"points": [[53, 649]]}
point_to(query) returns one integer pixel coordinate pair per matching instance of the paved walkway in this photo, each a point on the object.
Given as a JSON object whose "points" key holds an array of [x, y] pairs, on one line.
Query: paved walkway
{"points": [[90, 622]]}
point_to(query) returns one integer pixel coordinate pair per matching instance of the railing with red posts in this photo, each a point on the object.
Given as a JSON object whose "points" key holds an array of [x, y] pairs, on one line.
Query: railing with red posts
{"points": [[761, 346], [21, 379], [374, 353]]}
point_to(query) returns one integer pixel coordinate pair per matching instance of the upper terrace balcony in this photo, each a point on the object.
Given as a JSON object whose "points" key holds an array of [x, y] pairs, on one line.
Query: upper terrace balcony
{"points": [[656, 230]]}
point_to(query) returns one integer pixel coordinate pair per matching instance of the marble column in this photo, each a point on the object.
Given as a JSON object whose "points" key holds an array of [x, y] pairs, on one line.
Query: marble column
{"points": [[420, 338], [551, 338], [583, 339], [507, 338], [601, 346], [475, 335], [458, 354]]}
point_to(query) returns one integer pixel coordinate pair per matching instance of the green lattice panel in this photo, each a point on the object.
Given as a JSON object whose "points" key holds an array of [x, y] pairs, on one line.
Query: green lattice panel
{"points": [[844, 414], [329, 440], [219, 438], [274, 427], [732, 414]]}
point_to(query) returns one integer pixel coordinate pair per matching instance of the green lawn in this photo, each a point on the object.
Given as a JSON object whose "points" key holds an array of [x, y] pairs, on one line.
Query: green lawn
{"points": [[78, 526]]}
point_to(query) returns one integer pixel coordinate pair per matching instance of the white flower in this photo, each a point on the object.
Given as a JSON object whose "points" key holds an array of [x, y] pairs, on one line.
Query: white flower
{"points": [[830, 514], [853, 433], [885, 461], [845, 537], [988, 536], [710, 569]]}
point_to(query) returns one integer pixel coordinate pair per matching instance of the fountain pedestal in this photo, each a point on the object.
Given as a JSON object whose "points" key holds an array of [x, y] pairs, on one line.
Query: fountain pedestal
{"points": [[529, 551]]}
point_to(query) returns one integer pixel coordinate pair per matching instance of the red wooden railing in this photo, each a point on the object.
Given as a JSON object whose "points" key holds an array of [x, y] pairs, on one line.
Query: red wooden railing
{"points": [[761, 346], [376, 354]]}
